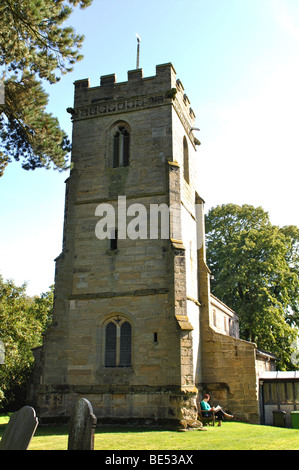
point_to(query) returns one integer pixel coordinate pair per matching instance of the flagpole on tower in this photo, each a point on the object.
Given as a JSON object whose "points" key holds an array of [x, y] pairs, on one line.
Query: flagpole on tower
{"points": [[138, 50]]}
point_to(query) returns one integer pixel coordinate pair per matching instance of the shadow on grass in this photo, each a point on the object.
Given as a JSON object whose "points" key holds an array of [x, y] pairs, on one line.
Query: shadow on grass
{"points": [[100, 429], [128, 429], [63, 430], [2, 428]]}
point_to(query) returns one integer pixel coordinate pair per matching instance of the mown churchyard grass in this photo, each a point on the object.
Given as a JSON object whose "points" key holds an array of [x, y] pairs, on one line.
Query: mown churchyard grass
{"points": [[231, 436]]}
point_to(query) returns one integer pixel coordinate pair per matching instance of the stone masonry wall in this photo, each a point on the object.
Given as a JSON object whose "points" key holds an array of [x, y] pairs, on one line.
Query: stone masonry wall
{"points": [[161, 287], [229, 375], [142, 281], [228, 363]]}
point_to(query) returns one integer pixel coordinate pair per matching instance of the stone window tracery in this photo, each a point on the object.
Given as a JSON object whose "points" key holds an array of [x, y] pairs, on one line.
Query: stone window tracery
{"points": [[121, 145], [118, 343]]}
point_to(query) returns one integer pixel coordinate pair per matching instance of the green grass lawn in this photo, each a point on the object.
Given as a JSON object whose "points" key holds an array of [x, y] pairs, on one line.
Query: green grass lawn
{"points": [[231, 436]]}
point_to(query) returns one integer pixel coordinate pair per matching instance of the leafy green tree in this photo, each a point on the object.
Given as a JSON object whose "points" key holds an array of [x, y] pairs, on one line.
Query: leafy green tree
{"points": [[34, 46], [41, 310], [22, 323], [255, 266]]}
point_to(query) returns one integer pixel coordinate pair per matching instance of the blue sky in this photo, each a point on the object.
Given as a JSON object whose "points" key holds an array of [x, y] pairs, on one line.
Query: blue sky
{"points": [[239, 63]]}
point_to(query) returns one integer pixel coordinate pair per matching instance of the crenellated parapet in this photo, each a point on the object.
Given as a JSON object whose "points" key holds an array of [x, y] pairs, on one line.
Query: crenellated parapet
{"points": [[137, 93]]}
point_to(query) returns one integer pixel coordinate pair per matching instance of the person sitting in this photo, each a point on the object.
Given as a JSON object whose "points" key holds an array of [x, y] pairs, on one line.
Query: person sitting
{"points": [[207, 410]]}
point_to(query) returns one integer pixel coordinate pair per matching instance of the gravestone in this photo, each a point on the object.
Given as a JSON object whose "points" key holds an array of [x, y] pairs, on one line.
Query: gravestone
{"points": [[82, 426], [20, 430]]}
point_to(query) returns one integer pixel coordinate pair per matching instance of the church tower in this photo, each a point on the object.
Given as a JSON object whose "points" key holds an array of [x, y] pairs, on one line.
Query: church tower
{"points": [[126, 332]]}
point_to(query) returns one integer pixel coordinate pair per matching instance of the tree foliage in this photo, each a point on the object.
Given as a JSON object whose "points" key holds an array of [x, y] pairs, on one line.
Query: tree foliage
{"points": [[22, 323], [255, 266], [34, 46]]}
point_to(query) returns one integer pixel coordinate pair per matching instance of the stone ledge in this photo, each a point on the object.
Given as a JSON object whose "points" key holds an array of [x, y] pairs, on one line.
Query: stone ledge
{"points": [[177, 244], [64, 389], [107, 295], [184, 322]]}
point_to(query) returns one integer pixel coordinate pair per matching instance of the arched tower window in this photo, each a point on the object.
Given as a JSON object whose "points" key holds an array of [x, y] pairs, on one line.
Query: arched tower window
{"points": [[186, 160], [118, 343], [121, 145]]}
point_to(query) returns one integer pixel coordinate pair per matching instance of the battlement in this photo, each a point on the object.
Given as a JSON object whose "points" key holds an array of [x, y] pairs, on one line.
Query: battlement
{"points": [[165, 73], [137, 92]]}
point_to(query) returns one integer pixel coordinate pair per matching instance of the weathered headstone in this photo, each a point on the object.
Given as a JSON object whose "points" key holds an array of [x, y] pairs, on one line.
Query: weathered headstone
{"points": [[82, 427], [20, 430]]}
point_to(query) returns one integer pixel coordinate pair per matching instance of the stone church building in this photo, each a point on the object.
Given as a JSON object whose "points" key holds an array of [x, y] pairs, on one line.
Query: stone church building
{"points": [[136, 330]]}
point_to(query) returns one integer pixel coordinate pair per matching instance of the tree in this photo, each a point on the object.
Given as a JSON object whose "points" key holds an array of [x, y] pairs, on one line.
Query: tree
{"points": [[255, 266], [23, 321], [41, 310], [33, 47]]}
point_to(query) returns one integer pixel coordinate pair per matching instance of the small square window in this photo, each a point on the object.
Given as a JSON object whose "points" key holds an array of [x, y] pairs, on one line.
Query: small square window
{"points": [[113, 240]]}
